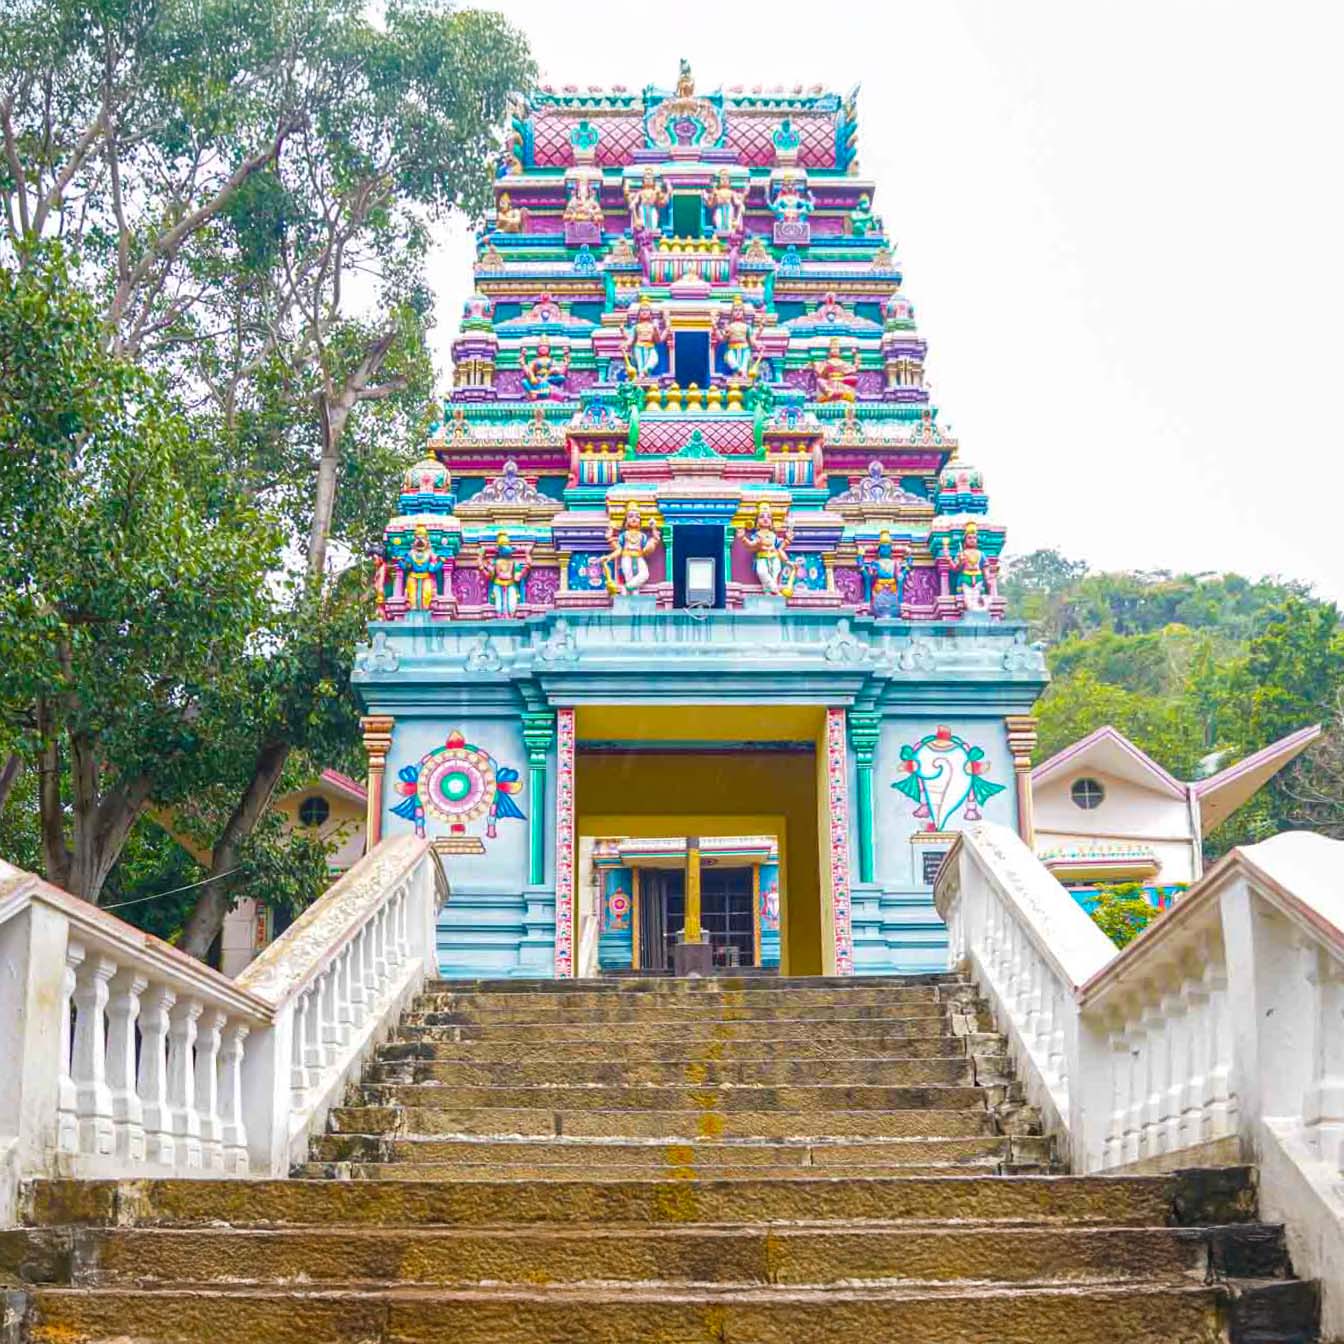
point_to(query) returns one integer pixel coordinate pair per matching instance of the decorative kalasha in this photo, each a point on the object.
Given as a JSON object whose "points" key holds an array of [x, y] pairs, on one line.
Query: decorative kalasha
{"points": [[837, 789], [773, 567], [945, 775], [458, 783], [625, 567]]}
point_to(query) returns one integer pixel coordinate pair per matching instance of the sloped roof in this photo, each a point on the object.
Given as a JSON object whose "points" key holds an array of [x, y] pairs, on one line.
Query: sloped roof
{"points": [[1220, 795], [1110, 752]]}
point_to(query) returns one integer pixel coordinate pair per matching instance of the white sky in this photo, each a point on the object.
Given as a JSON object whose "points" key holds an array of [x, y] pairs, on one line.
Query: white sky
{"points": [[1121, 225]]}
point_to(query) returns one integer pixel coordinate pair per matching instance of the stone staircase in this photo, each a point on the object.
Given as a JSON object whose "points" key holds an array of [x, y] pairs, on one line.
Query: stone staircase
{"points": [[757, 1160]]}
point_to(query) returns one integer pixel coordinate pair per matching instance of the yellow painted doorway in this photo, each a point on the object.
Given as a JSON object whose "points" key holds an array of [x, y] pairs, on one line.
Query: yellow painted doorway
{"points": [[658, 771]]}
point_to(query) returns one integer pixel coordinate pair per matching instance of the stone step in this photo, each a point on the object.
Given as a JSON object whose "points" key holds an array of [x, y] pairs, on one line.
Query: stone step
{"points": [[682, 1124], [614, 1050], [1190, 1198], [704, 1001], [799, 1254], [532, 1012], [592, 1154], [722, 1098], [954, 1071], [1166, 1313], [609, 1171], [693, 985], [423, 1027]]}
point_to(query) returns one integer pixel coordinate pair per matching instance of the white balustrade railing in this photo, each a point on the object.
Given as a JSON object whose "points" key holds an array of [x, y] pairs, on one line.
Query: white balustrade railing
{"points": [[121, 1056], [1216, 1036]]}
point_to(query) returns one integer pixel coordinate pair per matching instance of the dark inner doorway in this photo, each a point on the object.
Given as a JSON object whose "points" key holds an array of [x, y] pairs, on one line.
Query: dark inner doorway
{"points": [[662, 911], [725, 915], [692, 358], [701, 540]]}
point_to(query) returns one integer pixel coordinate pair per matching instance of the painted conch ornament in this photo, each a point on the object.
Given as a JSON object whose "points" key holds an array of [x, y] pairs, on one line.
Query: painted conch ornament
{"points": [[943, 775]]}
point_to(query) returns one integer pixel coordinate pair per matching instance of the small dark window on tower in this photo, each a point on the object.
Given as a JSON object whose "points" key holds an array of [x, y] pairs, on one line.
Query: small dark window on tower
{"points": [[314, 810], [1087, 793]]}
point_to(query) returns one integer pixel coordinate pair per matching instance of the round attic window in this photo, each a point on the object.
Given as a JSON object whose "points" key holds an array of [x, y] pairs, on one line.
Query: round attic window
{"points": [[314, 810], [1087, 793]]}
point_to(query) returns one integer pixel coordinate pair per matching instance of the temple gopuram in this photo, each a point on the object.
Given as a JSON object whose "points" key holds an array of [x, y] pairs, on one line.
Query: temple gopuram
{"points": [[689, 651]]}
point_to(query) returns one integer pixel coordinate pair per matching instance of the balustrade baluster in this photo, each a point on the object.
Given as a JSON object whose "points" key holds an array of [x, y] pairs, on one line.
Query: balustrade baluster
{"points": [[380, 963], [298, 1070], [1196, 1083], [182, 1083], [1154, 1026], [232, 1131], [123, 1008], [207, 1088], [67, 1106], [345, 1014], [155, 1009], [314, 1056], [1323, 1104], [1221, 1108], [403, 924], [93, 1097], [358, 994], [1136, 1043], [1113, 1149], [1176, 1012], [372, 990], [331, 1011]]}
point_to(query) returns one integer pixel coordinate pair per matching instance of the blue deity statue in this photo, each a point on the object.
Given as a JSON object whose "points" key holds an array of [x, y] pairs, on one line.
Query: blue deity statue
{"points": [[884, 575]]}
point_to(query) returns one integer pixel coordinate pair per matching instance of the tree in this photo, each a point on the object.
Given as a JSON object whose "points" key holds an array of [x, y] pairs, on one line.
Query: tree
{"points": [[247, 190], [1315, 790], [1122, 912], [130, 574]]}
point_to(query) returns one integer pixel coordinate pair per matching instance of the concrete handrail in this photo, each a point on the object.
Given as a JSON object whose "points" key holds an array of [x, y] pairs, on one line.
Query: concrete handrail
{"points": [[125, 1057], [1217, 1035]]}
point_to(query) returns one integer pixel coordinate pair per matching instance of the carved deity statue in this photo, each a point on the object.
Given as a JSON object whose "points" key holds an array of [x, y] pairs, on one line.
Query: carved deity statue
{"points": [[543, 374], [837, 377], [774, 569], [884, 574], [646, 203], [625, 566], [735, 332], [970, 568], [381, 572], [791, 202], [421, 568], [508, 218], [645, 331], [583, 207], [505, 572], [725, 206], [685, 80]]}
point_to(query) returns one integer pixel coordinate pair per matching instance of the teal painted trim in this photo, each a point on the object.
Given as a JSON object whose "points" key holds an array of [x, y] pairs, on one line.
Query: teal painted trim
{"points": [[615, 950], [769, 947], [536, 854], [865, 820]]}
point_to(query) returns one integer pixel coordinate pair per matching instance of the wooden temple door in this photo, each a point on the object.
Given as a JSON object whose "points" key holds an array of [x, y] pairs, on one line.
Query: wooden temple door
{"points": [[662, 910]]}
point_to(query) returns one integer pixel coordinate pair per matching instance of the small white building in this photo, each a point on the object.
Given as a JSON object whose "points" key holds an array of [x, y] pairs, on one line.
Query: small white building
{"points": [[1107, 812], [333, 807]]}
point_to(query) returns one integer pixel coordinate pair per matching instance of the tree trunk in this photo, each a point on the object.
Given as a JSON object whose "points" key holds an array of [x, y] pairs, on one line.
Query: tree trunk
{"points": [[10, 774], [207, 916]]}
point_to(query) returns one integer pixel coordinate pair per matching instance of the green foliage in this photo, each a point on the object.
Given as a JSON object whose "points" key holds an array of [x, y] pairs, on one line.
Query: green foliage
{"points": [[207, 396], [1196, 670], [1123, 912]]}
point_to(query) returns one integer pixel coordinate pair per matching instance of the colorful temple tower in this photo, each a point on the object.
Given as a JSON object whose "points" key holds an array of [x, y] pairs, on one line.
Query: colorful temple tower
{"points": [[689, 647]]}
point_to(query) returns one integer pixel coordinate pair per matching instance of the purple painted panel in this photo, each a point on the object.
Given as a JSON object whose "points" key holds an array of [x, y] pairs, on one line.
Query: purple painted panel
{"points": [[849, 584], [542, 586], [921, 586], [469, 585], [740, 566]]}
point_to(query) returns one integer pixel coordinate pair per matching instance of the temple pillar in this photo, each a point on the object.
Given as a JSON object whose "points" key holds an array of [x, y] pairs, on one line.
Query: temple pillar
{"points": [[1021, 744], [865, 726], [564, 843], [377, 743], [835, 806], [692, 954], [539, 737]]}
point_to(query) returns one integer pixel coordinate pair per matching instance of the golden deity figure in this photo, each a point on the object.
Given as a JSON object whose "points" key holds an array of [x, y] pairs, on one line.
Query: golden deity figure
{"points": [[726, 206], [421, 568], [625, 567], [543, 374], [837, 377], [685, 80], [508, 217], [970, 568], [583, 207], [774, 569], [645, 332], [505, 574], [646, 203]]}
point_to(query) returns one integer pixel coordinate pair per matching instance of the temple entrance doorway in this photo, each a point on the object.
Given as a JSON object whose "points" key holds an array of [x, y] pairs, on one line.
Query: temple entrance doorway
{"points": [[734, 793]]}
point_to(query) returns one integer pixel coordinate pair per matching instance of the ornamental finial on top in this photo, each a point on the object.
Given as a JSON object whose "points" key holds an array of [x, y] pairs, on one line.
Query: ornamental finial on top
{"points": [[685, 80], [787, 140]]}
